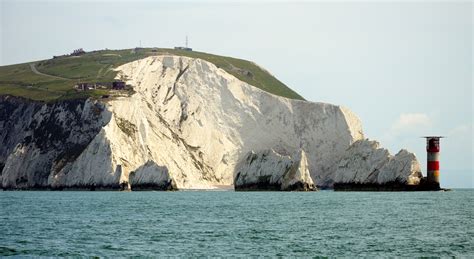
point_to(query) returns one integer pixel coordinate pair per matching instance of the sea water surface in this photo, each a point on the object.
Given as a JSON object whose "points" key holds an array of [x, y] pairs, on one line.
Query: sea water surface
{"points": [[227, 223]]}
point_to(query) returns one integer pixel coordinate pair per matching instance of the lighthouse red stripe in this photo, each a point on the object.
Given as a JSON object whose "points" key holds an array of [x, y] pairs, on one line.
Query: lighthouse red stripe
{"points": [[433, 165]]}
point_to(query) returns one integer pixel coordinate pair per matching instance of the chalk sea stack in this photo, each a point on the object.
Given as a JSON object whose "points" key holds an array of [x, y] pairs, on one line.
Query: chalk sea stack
{"points": [[268, 170], [190, 124]]}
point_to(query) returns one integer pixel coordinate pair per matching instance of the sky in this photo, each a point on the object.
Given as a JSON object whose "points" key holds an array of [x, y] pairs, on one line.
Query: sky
{"points": [[405, 68]]}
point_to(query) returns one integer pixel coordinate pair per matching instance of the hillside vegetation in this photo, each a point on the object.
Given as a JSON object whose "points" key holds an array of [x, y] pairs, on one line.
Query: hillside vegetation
{"points": [[54, 78]]}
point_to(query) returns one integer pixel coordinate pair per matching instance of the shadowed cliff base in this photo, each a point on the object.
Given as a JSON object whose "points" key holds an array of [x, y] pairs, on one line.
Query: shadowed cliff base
{"points": [[169, 186], [265, 186]]}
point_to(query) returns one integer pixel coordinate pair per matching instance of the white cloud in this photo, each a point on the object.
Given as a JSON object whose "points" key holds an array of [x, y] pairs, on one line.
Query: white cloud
{"points": [[410, 123], [462, 131], [405, 132], [458, 147]]}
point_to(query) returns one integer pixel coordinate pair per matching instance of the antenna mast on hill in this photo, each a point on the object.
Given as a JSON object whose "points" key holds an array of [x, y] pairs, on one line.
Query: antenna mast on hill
{"points": [[186, 41]]}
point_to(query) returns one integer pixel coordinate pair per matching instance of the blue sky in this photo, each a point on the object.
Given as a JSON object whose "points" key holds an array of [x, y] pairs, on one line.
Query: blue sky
{"points": [[404, 67]]}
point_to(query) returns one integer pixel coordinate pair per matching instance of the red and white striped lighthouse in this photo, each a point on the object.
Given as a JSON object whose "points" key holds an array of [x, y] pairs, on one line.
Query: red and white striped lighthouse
{"points": [[432, 149]]}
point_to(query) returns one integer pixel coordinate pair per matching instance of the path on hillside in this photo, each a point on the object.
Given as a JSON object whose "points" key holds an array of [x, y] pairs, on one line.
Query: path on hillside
{"points": [[33, 68]]}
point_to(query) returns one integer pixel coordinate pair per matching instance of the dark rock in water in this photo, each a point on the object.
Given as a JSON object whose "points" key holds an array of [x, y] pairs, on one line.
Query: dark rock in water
{"points": [[125, 186]]}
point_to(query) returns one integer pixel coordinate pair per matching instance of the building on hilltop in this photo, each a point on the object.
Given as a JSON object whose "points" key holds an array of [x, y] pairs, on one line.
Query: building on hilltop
{"points": [[60, 56], [184, 48], [78, 52], [82, 86], [118, 85]]}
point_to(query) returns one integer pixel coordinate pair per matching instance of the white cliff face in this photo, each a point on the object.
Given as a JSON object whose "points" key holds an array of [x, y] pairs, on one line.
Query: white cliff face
{"points": [[197, 121], [365, 162], [272, 171], [190, 123]]}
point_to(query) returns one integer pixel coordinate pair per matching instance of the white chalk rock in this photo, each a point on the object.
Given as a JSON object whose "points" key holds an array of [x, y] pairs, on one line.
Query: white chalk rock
{"points": [[151, 176], [361, 162], [402, 168], [20, 167], [268, 170], [365, 162]]}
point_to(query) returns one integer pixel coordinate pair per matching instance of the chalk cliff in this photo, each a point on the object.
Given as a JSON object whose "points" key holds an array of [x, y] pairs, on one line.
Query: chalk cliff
{"points": [[188, 125]]}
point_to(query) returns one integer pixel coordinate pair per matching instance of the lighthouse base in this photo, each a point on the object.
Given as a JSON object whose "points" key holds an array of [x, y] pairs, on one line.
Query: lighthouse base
{"points": [[388, 187]]}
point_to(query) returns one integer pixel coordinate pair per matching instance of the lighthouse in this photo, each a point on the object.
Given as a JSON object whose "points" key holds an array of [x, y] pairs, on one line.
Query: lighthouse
{"points": [[432, 149]]}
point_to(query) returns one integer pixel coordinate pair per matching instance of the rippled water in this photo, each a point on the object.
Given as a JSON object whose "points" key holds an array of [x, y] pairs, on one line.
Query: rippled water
{"points": [[220, 223]]}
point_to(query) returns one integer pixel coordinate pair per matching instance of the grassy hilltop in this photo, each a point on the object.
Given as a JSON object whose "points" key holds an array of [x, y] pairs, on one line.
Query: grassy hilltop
{"points": [[54, 78]]}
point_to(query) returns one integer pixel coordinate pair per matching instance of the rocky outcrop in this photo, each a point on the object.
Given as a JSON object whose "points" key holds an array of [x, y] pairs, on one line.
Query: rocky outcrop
{"points": [[402, 168], [268, 170], [366, 163], [361, 163]]}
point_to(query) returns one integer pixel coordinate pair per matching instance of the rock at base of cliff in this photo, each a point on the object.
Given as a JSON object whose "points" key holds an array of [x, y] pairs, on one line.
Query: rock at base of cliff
{"points": [[366, 166], [151, 176], [270, 171]]}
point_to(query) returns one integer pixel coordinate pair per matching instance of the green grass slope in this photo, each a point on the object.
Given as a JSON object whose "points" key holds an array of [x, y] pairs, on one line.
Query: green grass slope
{"points": [[59, 75]]}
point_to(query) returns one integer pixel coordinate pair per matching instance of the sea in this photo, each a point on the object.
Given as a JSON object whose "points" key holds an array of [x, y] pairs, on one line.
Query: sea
{"points": [[237, 224]]}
